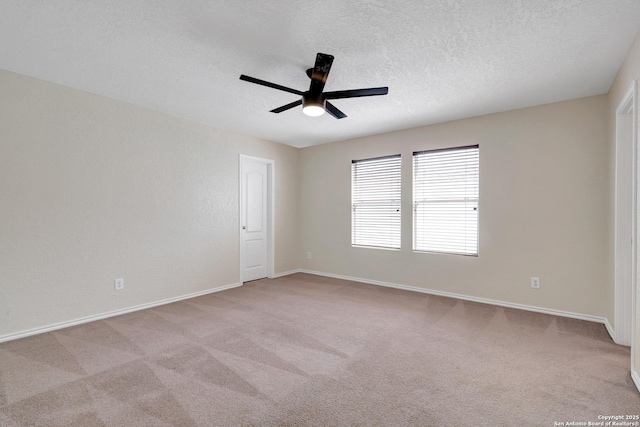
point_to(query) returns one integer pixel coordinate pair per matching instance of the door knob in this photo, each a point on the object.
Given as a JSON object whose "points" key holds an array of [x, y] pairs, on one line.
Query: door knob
{"points": [[244, 228]]}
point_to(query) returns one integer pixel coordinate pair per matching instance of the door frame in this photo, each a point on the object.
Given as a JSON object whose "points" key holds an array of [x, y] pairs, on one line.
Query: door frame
{"points": [[625, 322], [270, 214]]}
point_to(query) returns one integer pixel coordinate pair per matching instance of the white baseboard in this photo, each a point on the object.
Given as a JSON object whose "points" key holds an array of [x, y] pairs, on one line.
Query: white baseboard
{"points": [[553, 312], [286, 273], [80, 321], [636, 379], [114, 313], [612, 332]]}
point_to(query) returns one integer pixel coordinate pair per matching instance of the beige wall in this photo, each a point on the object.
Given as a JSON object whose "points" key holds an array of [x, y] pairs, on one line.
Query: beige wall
{"points": [[93, 189], [544, 200], [629, 72]]}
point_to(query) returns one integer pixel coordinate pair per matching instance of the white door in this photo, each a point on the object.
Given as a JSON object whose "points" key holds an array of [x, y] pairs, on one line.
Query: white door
{"points": [[625, 218], [255, 203]]}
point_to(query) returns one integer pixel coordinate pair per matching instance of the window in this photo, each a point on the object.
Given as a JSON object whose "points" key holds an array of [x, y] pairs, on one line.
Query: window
{"points": [[375, 202], [445, 200]]}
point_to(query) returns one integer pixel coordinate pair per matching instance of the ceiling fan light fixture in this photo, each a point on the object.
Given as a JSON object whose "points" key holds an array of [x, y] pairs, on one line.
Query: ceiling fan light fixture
{"points": [[313, 106], [313, 110]]}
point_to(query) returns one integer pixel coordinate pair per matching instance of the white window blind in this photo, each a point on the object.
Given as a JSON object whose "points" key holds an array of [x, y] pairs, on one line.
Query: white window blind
{"points": [[445, 200], [375, 198]]}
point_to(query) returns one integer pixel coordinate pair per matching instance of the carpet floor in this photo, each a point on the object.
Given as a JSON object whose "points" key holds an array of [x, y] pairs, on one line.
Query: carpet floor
{"points": [[305, 350]]}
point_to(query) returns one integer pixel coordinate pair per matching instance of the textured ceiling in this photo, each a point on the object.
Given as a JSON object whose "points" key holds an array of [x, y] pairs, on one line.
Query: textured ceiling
{"points": [[442, 59]]}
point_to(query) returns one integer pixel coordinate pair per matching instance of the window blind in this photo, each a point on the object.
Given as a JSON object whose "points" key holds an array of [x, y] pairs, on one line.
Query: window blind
{"points": [[445, 200], [375, 198]]}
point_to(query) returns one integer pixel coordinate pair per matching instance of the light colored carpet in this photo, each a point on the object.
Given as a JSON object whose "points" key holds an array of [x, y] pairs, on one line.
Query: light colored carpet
{"points": [[305, 350]]}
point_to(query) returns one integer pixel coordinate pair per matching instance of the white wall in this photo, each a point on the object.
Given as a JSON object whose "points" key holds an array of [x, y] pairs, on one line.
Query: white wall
{"points": [[92, 189], [543, 208], [629, 71]]}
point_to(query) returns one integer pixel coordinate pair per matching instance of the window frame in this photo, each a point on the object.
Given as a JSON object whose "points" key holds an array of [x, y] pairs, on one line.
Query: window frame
{"points": [[391, 182], [472, 199]]}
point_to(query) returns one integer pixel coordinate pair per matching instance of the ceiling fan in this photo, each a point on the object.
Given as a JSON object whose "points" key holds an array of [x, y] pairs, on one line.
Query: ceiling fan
{"points": [[314, 101]]}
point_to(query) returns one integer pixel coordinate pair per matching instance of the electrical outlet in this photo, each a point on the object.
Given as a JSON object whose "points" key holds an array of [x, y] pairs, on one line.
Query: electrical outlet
{"points": [[535, 282], [308, 255], [119, 284]]}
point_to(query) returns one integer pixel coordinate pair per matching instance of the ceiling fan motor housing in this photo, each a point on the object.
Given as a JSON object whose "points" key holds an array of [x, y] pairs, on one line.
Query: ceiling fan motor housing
{"points": [[313, 104]]}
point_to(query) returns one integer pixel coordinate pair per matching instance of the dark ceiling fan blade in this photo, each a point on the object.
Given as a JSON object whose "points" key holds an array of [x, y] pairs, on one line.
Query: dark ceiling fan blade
{"points": [[331, 109], [287, 107], [354, 93], [269, 84], [320, 73]]}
